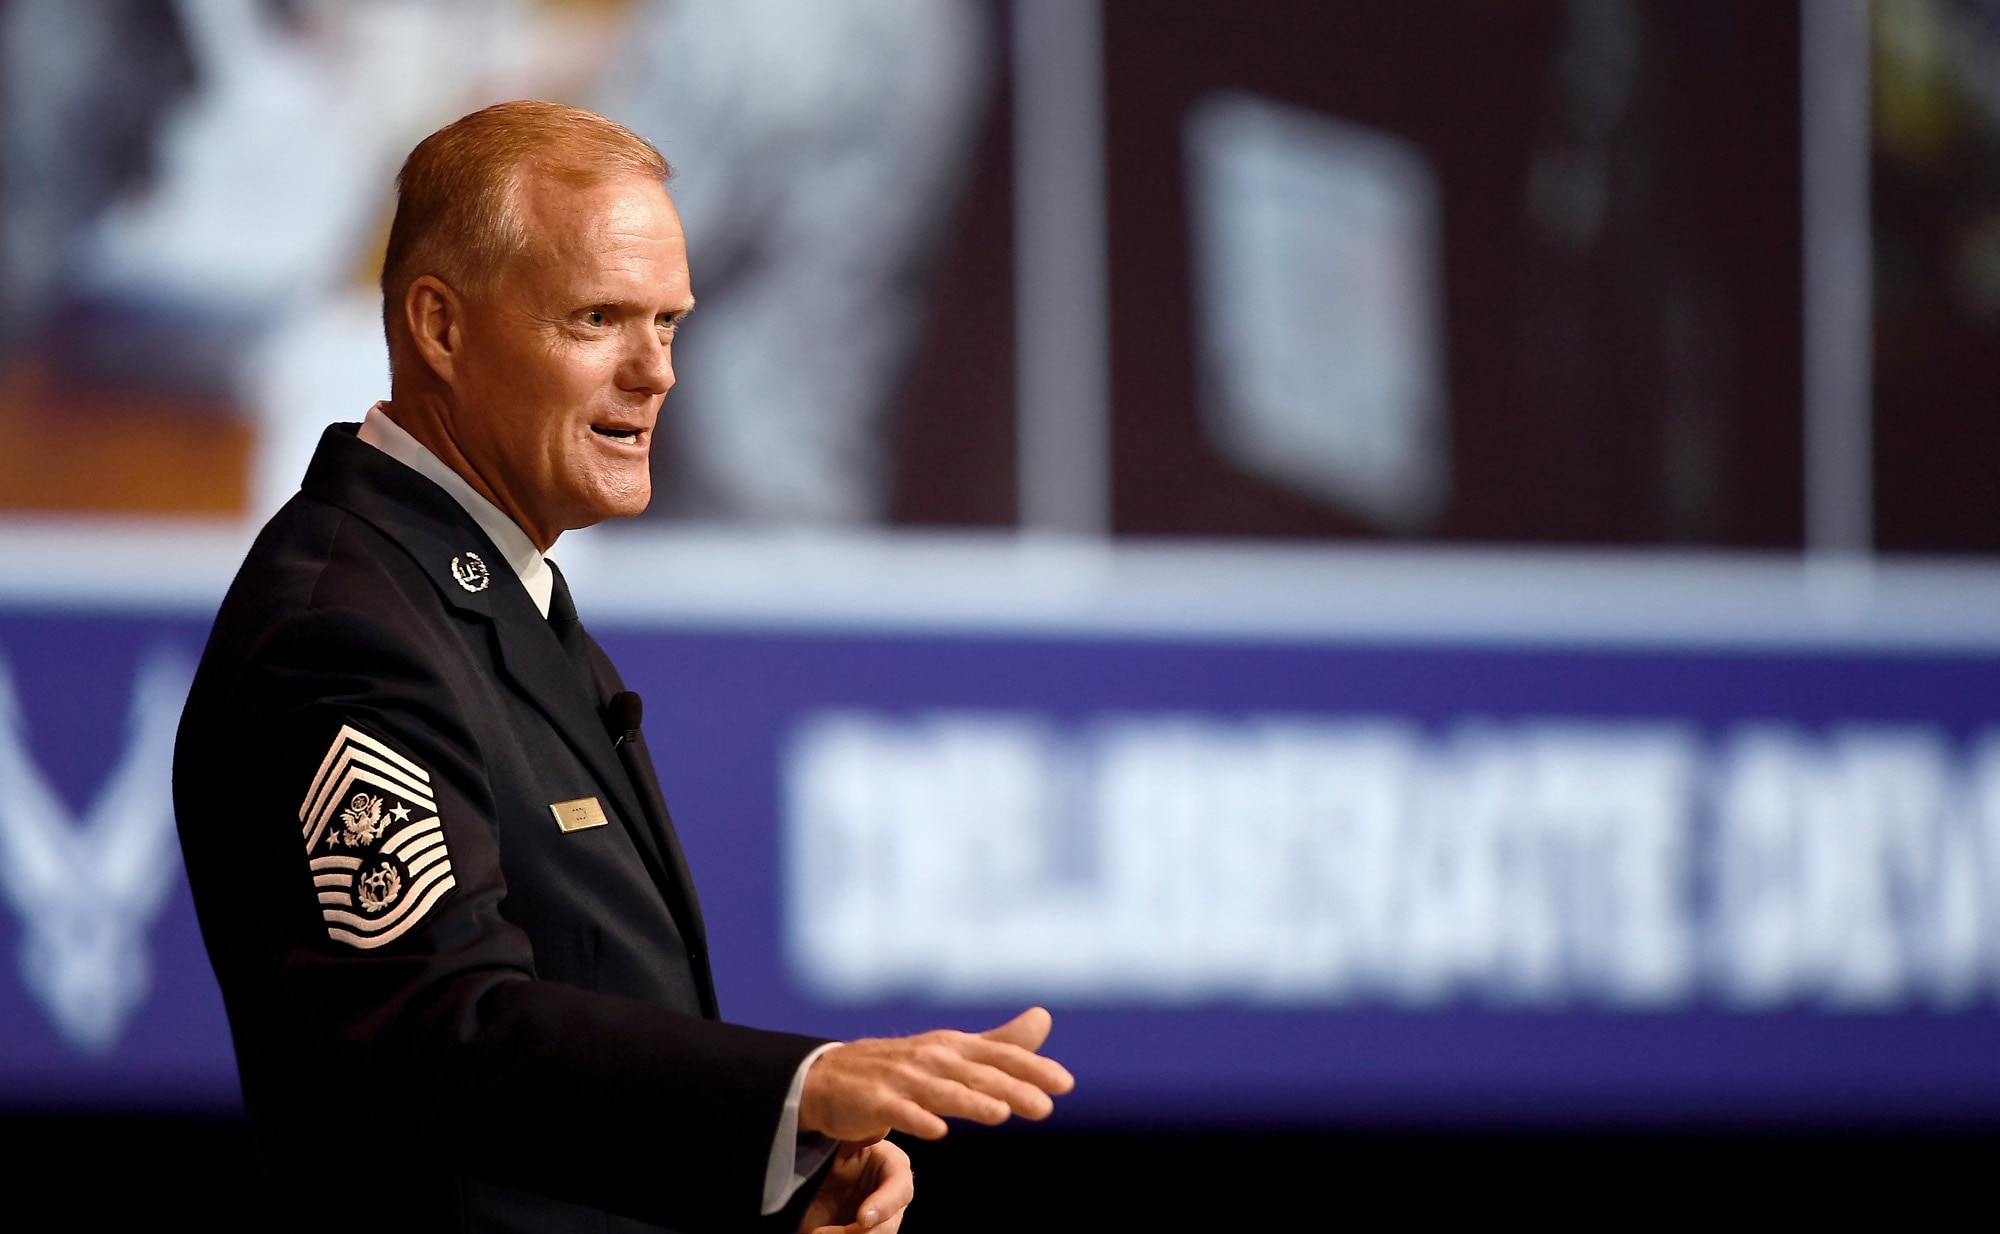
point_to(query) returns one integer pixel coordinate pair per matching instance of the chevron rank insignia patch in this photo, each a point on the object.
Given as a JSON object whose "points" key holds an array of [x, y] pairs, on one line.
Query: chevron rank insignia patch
{"points": [[374, 841]]}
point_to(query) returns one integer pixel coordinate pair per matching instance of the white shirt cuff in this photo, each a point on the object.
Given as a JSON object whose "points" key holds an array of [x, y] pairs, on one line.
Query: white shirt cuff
{"points": [[794, 1157]]}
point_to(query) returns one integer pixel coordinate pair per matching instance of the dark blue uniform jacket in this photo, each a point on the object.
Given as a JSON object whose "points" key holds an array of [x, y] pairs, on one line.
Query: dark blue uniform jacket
{"points": [[457, 1002]]}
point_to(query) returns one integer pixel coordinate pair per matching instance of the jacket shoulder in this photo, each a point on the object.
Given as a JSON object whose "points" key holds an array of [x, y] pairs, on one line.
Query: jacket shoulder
{"points": [[321, 582], [328, 622]]}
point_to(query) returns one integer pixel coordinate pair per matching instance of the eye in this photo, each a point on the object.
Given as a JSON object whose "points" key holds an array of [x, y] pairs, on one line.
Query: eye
{"points": [[595, 317]]}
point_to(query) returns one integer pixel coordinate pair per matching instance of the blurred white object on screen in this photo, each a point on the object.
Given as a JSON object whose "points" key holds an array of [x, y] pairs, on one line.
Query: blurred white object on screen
{"points": [[273, 171], [1848, 869], [919, 854], [326, 363], [816, 144], [87, 892], [973, 857], [1168, 858], [1317, 307]]}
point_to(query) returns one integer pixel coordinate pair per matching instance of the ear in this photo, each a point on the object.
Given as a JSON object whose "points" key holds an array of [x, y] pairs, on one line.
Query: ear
{"points": [[436, 319]]}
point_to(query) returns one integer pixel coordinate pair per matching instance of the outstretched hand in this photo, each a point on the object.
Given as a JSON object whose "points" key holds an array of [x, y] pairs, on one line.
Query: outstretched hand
{"points": [[861, 1091]]}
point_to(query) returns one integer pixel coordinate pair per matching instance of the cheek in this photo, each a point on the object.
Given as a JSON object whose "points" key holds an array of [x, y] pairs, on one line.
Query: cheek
{"points": [[552, 374], [587, 367]]}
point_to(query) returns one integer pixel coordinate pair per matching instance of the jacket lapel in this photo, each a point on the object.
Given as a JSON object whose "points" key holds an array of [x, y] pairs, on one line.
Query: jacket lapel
{"points": [[687, 910], [533, 658], [442, 538], [639, 772]]}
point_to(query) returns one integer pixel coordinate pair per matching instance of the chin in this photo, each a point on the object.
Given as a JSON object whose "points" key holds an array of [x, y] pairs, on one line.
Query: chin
{"points": [[618, 501]]}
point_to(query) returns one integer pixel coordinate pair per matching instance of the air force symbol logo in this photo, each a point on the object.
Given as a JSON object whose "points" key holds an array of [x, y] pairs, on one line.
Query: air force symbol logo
{"points": [[374, 841], [471, 572]]}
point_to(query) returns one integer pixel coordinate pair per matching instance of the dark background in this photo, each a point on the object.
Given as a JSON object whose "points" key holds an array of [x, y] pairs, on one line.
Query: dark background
{"points": [[1636, 385], [139, 1173], [1632, 382]]}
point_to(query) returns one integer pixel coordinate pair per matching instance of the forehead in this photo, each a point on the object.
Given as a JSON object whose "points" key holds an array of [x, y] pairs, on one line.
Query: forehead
{"points": [[602, 229]]}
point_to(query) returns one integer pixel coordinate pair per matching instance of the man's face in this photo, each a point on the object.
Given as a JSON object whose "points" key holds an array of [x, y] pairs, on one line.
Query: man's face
{"points": [[565, 363]]}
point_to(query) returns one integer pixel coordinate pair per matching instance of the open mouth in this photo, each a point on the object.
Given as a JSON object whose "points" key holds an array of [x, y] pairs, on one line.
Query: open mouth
{"points": [[617, 434]]}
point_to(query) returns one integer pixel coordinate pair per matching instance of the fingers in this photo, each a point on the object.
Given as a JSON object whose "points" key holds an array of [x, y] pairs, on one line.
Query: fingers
{"points": [[1027, 1030], [922, 1098], [895, 1187], [944, 1095], [868, 1087], [1012, 1047], [963, 1076], [888, 1184], [905, 1115], [1045, 1074], [959, 1075], [1019, 1096]]}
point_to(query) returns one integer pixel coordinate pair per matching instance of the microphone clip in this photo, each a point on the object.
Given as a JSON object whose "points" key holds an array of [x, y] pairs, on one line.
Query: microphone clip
{"points": [[622, 715]]}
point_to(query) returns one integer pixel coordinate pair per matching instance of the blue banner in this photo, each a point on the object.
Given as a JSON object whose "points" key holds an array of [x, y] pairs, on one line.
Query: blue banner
{"points": [[1352, 881]]}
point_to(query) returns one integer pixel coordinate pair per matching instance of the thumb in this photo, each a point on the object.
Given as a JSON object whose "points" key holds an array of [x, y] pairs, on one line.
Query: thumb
{"points": [[1027, 1030]]}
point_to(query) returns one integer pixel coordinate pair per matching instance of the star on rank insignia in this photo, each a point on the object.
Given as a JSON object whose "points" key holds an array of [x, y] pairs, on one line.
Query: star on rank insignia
{"points": [[470, 571], [373, 841]]}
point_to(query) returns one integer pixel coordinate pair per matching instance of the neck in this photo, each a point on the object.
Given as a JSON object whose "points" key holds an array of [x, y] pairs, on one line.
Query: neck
{"points": [[427, 416]]}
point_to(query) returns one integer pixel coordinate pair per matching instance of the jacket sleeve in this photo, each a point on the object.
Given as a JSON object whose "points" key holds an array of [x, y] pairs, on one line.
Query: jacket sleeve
{"points": [[432, 1034]]}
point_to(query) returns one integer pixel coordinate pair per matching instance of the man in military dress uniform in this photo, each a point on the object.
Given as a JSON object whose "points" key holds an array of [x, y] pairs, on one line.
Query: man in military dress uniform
{"points": [[462, 956]]}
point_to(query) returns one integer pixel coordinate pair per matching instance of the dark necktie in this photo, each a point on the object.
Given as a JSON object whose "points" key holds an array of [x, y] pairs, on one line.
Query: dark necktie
{"points": [[569, 632], [621, 714]]}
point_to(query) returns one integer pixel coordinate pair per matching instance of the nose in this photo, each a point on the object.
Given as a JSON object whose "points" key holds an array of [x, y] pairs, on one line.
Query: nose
{"points": [[649, 368]]}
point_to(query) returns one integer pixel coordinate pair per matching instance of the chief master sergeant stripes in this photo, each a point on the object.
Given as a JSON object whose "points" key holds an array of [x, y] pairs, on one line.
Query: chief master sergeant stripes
{"points": [[386, 863], [483, 936]]}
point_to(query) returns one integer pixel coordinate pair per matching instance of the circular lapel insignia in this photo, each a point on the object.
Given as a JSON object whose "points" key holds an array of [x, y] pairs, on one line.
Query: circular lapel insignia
{"points": [[470, 572]]}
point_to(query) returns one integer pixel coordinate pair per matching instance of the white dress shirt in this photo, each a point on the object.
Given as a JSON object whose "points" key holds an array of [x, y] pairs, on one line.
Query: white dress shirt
{"points": [[794, 1157]]}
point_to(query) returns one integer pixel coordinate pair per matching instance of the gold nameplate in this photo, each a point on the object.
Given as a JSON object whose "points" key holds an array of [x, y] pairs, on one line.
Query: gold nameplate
{"points": [[579, 815]]}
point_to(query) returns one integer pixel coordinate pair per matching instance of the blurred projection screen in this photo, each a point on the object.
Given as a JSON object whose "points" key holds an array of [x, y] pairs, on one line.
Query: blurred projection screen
{"points": [[1288, 860], [1317, 307]]}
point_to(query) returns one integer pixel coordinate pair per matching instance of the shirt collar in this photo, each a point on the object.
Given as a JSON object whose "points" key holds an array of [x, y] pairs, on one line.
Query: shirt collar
{"points": [[529, 563]]}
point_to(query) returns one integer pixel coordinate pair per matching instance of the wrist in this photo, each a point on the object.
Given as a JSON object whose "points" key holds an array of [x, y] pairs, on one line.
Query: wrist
{"points": [[813, 1098]]}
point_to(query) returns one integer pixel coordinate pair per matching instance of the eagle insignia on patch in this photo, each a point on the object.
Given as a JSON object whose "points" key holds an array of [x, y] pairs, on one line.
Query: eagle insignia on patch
{"points": [[471, 572], [373, 841]]}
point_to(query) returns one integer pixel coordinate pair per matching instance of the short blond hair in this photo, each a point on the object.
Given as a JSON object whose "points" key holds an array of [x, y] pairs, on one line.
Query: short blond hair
{"points": [[456, 213]]}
